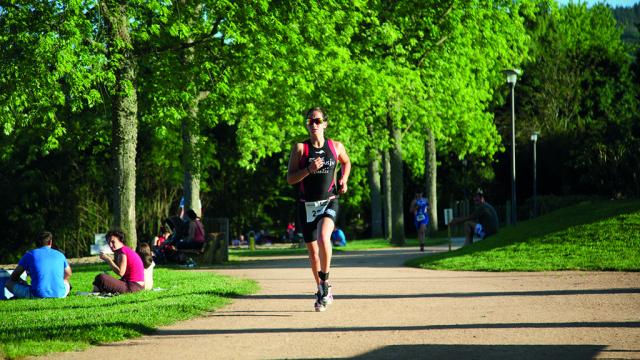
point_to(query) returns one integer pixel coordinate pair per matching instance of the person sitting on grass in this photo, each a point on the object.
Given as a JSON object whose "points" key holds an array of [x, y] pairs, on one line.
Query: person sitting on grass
{"points": [[144, 251], [483, 221], [193, 239], [47, 268], [163, 236], [126, 263]]}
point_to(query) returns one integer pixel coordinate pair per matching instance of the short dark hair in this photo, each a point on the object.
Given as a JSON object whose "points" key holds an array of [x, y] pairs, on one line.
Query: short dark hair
{"points": [[117, 233], [45, 238]]}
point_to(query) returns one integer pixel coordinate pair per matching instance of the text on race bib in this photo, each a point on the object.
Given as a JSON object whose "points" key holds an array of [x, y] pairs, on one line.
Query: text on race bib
{"points": [[315, 209]]}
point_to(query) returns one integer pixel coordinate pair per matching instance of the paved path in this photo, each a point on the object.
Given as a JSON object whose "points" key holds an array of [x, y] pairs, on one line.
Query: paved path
{"points": [[386, 311]]}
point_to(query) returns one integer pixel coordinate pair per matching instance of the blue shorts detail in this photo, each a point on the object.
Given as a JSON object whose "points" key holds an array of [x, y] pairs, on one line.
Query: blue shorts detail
{"points": [[419, 223]]}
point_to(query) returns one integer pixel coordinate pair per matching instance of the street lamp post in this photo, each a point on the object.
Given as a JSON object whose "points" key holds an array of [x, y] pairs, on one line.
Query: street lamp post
{"points": [[534, 138], [512, 77]]}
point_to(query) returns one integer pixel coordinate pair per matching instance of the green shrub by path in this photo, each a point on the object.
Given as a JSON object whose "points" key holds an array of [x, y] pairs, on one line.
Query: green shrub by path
{"points": [[36, 327], [599, 235]]}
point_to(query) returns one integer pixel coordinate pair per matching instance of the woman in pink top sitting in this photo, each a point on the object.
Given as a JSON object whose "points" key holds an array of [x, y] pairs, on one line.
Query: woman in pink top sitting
{"points": [[126, 263]]}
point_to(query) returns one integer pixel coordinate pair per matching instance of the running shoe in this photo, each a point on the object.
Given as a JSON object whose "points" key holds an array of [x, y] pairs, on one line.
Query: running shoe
{"points": [[318, 304], [327, 294]]}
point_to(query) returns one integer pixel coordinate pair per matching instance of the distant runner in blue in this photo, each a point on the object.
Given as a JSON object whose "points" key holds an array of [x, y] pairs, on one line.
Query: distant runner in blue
{"points": [[419, 207]]}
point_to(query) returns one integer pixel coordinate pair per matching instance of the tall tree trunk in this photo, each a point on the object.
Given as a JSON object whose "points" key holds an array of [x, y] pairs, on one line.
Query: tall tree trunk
{"points": [[386, 188], [397, 186], [124, 121], [431, 179], [376, 200], [191, 159]]}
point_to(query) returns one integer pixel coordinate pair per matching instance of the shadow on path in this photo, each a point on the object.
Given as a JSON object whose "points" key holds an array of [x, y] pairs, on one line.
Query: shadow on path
{"points": [[459, 295], [568, 325], [465, 352]]}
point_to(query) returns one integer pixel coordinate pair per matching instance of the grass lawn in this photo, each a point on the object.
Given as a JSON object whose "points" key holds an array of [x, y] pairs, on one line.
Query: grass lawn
{"points": [[36, 327], [599, 235], [366, 244]]}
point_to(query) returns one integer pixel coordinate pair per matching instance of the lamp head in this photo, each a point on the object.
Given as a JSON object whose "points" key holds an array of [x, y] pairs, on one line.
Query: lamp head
{"points": [[512, 75], [534, 136]]}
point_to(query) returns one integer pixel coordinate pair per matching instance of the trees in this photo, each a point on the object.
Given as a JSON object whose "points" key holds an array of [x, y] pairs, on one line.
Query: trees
{"points": [[50, 71], [579, 92], [50, 80], [209, 96], [443, 61], [629, 19]]}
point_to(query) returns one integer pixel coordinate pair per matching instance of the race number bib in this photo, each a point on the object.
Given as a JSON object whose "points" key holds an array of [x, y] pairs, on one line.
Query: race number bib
{"points": [[420, 217], [315, 209]]}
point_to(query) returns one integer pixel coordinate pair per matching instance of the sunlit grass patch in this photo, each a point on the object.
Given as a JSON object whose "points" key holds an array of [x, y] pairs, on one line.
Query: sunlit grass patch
{"points": [[36, 327], [601, 235]]}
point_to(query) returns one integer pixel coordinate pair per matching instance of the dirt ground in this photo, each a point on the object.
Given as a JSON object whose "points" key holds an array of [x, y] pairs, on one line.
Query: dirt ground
{"points": [[383, 310]]}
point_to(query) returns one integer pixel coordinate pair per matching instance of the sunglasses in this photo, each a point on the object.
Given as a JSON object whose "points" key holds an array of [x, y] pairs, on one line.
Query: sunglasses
{"points": [[316, 121]]}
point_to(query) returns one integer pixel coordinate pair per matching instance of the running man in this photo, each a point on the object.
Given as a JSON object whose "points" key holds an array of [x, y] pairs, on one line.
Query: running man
{"points": [[418, 208], [312, 166]]}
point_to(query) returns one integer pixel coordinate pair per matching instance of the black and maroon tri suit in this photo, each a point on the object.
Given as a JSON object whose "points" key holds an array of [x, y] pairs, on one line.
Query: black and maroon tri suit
{"points": [[317, 195]]}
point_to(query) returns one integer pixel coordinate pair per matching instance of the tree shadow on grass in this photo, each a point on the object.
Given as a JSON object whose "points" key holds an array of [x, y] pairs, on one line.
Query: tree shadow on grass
{"points": [[90, 333], [94, 302]]}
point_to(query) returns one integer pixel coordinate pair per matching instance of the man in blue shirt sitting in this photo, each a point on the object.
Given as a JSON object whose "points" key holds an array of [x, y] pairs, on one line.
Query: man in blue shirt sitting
{"points": [[47, 268]]}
